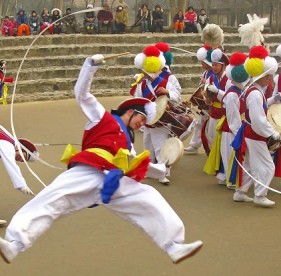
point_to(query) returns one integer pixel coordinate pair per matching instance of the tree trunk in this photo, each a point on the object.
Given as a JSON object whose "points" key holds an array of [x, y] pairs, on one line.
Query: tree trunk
{"points": [[182, 5], [173, 11]]}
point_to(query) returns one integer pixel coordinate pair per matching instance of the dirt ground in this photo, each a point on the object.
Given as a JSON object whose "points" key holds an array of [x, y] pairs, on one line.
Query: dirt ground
{"points": [[239, 238]]}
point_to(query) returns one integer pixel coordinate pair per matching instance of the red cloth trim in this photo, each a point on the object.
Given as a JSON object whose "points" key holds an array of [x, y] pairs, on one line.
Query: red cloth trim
{"points": [[204, 138]]}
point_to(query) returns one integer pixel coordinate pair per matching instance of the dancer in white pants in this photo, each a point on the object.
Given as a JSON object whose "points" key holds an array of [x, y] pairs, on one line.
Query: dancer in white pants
{"points": [[95, 177]]}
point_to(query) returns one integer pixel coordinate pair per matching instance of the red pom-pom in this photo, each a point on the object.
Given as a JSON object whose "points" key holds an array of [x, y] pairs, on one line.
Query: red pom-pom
{"points": [[163, 47], [258, 52], [237, 59], [151, 51], [207, 47]]}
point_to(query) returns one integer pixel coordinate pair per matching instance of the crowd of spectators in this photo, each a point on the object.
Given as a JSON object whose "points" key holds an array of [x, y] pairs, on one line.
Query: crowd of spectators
{"points": [[106, 20]]}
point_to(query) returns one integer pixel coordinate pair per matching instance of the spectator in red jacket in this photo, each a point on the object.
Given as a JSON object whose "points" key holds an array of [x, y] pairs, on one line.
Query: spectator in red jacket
{"points": [[190, 20], [7, 27]]}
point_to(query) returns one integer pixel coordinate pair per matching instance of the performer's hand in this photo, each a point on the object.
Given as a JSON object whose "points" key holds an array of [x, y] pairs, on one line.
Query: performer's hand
{"points": [[162, 91], [26, 190], [276, 136], [277, 98], [213, 88], [98, 59]]}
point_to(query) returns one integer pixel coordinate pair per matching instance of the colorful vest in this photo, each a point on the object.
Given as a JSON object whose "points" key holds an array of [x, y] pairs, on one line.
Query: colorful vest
{"points": [[216, 109], [238, 91], [158, 82], [106, 135]]}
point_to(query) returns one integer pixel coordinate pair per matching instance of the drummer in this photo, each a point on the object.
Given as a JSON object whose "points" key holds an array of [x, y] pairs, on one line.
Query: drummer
{"points": [[203, 55], [229, 124], [251, 139], [151, 61]]}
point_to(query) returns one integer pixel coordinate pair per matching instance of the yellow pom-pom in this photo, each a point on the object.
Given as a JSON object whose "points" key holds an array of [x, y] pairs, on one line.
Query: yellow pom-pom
{"points": [[152, 65], [254, 66]]}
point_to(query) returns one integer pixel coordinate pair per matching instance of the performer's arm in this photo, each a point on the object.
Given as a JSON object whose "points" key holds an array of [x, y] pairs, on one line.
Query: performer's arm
{"points": [[7, 153], [232, 105], [92, 109], [257, 115], [174, 93]]}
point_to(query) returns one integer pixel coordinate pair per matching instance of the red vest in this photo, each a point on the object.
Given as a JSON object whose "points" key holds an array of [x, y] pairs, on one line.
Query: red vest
{"points": [[217, 113], [249, 132], [150, 96], [107, 135]]}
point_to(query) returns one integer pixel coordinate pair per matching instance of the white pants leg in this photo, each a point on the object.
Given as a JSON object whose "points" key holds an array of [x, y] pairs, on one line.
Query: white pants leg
{"points": [[147, 144], [261, 167], [196, 141], [79, 188], [211, 131]]}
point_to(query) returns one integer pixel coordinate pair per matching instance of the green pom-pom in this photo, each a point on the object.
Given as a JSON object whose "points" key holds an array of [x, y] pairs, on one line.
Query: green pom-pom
{"points": [[239, 74], [168, 57]]}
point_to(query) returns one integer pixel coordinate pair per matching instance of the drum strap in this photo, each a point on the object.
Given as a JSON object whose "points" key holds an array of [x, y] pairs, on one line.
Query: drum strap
{"points": [[279, 83]]}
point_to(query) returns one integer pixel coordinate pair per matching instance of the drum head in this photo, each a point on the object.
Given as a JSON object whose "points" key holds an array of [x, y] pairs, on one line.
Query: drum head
{"points": [[274, 116], [172, 151], [161, 104]]}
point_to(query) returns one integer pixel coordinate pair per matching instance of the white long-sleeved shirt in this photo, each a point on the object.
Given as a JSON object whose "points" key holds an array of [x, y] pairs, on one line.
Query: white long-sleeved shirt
{"points": [[259, 122]]}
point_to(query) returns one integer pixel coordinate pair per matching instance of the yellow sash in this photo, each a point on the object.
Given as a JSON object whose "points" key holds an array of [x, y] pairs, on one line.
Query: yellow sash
{"points": [[120, 160], [217, 104], [212, 164]]}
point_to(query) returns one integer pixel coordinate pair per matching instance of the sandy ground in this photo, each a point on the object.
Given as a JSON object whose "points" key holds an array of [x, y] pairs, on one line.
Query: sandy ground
{"points": [[239, 238]]}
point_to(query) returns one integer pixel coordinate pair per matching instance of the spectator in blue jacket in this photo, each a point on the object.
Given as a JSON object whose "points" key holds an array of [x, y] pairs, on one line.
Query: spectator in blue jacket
{"points": [[22, 23]]}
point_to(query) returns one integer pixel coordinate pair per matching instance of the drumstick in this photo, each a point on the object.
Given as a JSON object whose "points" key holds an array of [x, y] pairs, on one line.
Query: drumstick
{"points": [[116, 55]]}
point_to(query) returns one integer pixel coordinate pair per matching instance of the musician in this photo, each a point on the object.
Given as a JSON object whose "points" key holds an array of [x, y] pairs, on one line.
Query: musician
{"points": [[250, 143], [151, 62], [218, 83], [276, 96], [229, 124], [9, 154], [98, 175], [204, 56]]}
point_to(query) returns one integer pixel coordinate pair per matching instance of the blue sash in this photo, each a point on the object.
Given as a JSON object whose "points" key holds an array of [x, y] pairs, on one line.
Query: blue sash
{"points": [[216, 82], [125, 130], [154, 84]]}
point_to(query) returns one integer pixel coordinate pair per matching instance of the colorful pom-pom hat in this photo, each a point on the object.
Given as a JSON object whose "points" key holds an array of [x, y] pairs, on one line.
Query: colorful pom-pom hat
{"points": [[151, 61], [204, 54]]}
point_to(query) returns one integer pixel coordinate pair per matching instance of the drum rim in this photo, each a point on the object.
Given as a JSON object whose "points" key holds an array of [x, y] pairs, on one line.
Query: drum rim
{"points": [[273, 108], [180, 153]]}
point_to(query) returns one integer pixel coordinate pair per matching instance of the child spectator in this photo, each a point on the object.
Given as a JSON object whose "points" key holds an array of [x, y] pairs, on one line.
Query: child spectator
{"points": [[190, 19], [157, 19], [7, 27], [46, 21], [121, 18], [89, 20], [179, 22], [56, 15], [34, 22], [22, 23], [143, 18], [105, 19], [203, 20], [69, 23]]}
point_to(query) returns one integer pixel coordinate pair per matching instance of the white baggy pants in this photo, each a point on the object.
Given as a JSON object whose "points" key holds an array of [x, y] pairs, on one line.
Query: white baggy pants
{"points": [[79, 188], [258, 162]]}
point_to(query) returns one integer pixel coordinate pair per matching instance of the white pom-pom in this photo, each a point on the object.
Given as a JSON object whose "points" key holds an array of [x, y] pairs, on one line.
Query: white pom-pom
{"points": [[201, 54], [162, 60], [150, 110], [278, 51], [216, 55], [270, 65], [139, 59], [228, 70]]}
